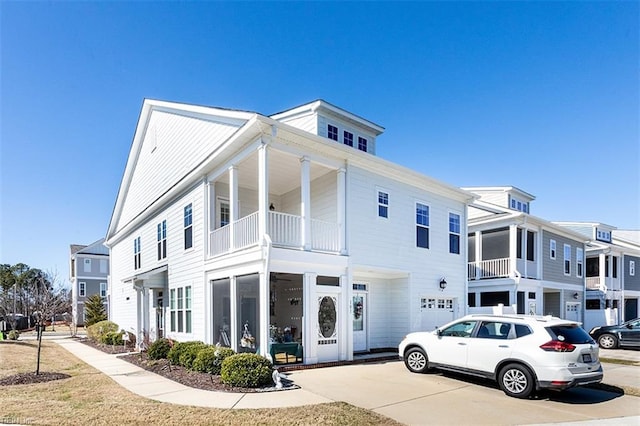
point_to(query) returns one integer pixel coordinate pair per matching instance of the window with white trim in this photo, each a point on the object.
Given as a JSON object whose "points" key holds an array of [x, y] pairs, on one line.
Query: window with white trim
{"points": [[347, 138], [87, 265], [567, 259], [332, 132], [188, 227], [137, 259], [632, 268], [579, 262], [162, 240], [552, 249], [362, 144], [103, 289], [180, 309], [383, 204], [422, 225], [82, 289], [454, 233]]}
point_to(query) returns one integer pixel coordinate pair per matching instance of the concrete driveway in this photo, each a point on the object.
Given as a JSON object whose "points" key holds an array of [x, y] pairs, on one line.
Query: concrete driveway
{"points": [[435, 398]]}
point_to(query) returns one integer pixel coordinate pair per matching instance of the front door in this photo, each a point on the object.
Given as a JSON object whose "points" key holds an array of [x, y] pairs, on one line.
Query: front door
{"points": [[328, 321], [359, 321], [573, 311], [159, 317]]}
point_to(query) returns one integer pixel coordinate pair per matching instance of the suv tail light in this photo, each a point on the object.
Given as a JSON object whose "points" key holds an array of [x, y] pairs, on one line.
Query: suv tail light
{"points": [[557, 346]]}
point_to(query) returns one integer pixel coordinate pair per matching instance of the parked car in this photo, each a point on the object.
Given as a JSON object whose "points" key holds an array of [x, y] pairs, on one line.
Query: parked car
{"points": [[522, 353], [613, 336]]}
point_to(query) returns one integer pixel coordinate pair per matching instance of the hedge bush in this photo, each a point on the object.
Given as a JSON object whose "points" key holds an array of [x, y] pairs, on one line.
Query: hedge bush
{"points": [[159, 349], [13, 335], [97, 331], [209, 359], [246, 370], [112, 338], [183, 353]]}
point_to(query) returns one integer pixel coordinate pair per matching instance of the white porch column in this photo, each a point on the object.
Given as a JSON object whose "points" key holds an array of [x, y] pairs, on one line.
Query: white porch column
{"points": [[341, 210], [233, 204], [478, 245], [139, 314], [602, 265], [305, 202], [233, 309], [513, 247], [211, 216], [264, 314], [310, 320], [263, 190]]}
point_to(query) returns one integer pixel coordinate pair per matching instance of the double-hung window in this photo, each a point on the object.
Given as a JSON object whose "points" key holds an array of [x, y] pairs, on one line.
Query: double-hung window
{"points": [[137, 260], [162, 240], [552, 249], [362, 144], [332, 132], [187, 309], [422, 225], [103, 289], [180, 309], [567, 259], [188, 227], [632, 268], [383, 204], [347, 138], [579, 262], [454, 233], [82, 289]]}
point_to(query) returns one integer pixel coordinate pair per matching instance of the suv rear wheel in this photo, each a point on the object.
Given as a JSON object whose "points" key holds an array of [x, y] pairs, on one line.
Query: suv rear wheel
{"points": [[516, 380], [416, 360], [608, 341]]}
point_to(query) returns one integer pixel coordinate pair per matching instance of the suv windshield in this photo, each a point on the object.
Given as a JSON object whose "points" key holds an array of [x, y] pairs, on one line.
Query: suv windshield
{"points": [[569, 334]]}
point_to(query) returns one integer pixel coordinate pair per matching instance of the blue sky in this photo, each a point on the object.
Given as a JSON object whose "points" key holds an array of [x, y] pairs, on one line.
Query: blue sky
{"points": [[539, 95]]}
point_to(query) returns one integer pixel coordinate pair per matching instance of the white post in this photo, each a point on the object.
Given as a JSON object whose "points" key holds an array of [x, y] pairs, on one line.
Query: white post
{"points": [[263, 190], [513, 249], [305, 202], [233, 204], [341, 210], [264, 314]]}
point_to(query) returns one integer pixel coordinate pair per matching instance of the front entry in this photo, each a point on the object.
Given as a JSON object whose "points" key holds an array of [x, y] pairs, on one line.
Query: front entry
{"points": [[359, 321], [328, 320], [159, 316]]}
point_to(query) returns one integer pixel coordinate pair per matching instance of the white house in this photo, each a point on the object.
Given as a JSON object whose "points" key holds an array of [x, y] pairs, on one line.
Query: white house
{"points": [[281, 233], [520, 260]]}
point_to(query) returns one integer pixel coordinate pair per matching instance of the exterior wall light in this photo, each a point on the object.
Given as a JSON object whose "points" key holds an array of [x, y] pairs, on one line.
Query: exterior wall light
{"points": [[443, 283]]}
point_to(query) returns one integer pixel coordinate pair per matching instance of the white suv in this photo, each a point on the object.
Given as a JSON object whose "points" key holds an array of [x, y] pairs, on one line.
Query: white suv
{"points": [[523, 353]]}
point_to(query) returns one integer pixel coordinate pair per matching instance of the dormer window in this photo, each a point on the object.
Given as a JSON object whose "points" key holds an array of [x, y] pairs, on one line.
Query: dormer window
{"points": [[362, 144], [348, 138], [332, 132], [519, 205]]}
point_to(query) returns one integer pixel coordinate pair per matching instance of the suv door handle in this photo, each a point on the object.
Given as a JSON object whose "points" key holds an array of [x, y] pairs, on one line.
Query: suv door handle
{"points": [[503, 346], [462, 343]]}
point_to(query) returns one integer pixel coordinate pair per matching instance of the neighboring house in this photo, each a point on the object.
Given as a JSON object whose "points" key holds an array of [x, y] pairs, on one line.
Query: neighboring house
{"points": [[243, 229], [613, 286], [89, 270], [522, 261]]}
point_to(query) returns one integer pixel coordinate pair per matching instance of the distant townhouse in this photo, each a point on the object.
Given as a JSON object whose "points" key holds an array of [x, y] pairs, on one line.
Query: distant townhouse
{"points": [[520, 260], [264, 233], [89, 275], [613, 286]]}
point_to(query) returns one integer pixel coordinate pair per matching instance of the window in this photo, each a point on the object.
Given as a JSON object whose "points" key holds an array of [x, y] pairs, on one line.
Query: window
{"points": [[383, 204], [82, 289], [103, 289], [180, 311], [519, 205], [614, 266], [494, 330], [422, 225], [454, 233], [137, 260], [188, 227], [162, 240], [347, 138], [187, 309], [530, 244], [567, 259], [87, 265], [552, 249], [172, 308], [579, 262], [592, 304], [632, 268], [362, 144], [461, 329], [225, 212], [332, 132]]}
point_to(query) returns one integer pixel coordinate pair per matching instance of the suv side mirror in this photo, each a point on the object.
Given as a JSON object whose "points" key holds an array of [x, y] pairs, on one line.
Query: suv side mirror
{"points": [[439, 332]]}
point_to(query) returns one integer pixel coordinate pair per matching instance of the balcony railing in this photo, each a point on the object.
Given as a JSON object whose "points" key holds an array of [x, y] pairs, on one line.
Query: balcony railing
{"points": [[485, 269], [285, 230]]}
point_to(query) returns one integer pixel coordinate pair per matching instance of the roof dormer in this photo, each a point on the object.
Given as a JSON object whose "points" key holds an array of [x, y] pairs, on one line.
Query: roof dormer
{"points": [[504, 196]]}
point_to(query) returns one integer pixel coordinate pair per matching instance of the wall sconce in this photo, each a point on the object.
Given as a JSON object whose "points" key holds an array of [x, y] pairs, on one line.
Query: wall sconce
{"points": [[443, 283], [271, 207], [575, 295]]}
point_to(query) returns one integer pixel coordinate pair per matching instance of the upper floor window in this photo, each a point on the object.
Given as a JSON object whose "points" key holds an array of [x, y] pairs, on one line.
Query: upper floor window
{"points": [[383, 204], [225, 212], [362, 144], [87, 265], [519, 205], [137, 260], [188, 227], [82, 289], [454, 233], [579, 262], [528, 245], [332, 132], [103, 289], [162, 240], [422, 225], [567, 259], [552, 249], [347, 138], [632, 268]]}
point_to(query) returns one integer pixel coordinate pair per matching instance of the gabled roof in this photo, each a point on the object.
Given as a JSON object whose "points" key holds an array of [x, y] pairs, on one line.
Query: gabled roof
{"points": [[97, 248], [512, 189]]}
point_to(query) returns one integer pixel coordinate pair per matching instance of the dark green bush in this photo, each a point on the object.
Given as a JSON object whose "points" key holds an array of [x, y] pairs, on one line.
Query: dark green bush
{"points": [[159, 349], [13, 335], [209, 359], [97, 331], [246, 370], [183, 353], [112, 338]]}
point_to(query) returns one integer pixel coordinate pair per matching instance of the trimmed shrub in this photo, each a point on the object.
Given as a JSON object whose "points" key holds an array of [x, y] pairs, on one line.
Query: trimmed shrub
{"points": [[183, 353], [246, 370], [159, 349], [112, 338], [97, 331], [209, 359], [13, 335]]}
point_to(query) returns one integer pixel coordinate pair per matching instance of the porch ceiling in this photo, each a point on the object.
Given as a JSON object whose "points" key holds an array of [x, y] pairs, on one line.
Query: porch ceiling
{"points": [[284, 172]]}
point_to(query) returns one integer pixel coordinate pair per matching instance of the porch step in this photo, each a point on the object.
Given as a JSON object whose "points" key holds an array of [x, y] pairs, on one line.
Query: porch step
{"points": [[359, 358]]}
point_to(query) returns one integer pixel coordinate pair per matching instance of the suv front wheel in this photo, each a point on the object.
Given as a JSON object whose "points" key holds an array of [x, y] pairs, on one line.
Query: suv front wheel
{"points": [[516, 380], [416, 360]]}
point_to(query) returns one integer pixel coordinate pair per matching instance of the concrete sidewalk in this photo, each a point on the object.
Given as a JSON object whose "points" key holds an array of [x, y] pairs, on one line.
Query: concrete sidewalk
{"points": [[156, 387]]}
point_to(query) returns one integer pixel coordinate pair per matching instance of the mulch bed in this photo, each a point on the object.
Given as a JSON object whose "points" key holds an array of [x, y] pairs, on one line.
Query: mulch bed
{"points": [[30, 378]]}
